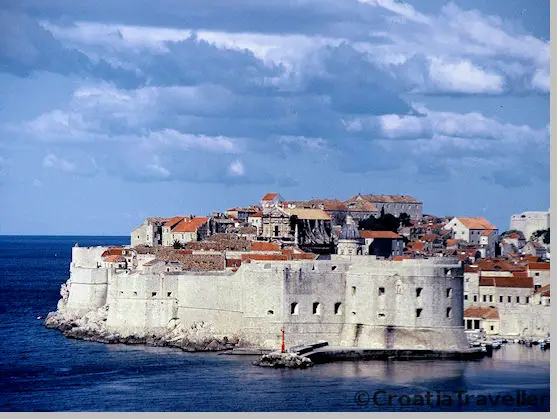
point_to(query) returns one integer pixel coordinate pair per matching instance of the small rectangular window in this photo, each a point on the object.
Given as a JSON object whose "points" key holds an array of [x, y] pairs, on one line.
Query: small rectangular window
{"points": [[381, 290], [490, 327], [153, 294], [527, 300], [509, 299], [485, 298], [517, 299], [466, 296], [449, 312], [491, 298], [476, 324], [169, 294], [500, 298], [449, 292], [537, 274], [353, 290], [418, 291], [475, 298], [418, 312]]}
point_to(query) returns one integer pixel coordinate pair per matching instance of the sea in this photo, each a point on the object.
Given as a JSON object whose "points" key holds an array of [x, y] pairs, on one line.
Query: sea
{"points": [[41, 370]]}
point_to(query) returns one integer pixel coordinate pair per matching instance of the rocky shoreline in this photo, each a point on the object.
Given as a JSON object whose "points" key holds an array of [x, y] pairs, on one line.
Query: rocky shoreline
{"points": [[90, 328], [283, 360]]}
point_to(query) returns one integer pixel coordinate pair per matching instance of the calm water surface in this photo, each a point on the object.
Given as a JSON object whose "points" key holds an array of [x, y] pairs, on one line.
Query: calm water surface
{"points": [[40, 370]]}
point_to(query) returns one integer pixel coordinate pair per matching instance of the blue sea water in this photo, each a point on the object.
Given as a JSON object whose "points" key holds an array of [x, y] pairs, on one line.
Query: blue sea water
{"points": [[41, 370]]}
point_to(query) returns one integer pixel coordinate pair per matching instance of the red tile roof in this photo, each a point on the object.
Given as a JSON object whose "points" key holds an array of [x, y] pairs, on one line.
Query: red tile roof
{"points": [[190, 226], [476, 223], [416, 245], [264, 247], [367, 234], [112, 251], [114, 259], [258, 214], [506, 282], [269, 196], [173, 221], [471, 268], [482, 312], [544, 291], [538, 266], [270, 257]]}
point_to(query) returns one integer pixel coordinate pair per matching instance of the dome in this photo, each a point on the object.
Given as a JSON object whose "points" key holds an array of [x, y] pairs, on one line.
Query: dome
{"points": [[349, 232]]}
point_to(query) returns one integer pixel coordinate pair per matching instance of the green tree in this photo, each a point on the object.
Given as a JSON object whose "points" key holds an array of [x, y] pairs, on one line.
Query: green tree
{"points": [[177, 245], [404, 220], [543, 234]]}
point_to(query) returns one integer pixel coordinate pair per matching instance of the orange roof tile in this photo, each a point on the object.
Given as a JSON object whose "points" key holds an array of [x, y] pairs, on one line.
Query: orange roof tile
{"points": [[112, 251], [269, 196], [173, 221], [476, 223], [482, 312], [190, 226], [538, 266], [264, 247], [416, 245], [269, 257], [506, 282], [367, 234], [114, 259], [258, 214]]}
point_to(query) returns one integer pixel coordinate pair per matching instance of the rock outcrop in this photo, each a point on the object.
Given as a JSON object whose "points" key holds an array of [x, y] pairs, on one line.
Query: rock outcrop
{"points": [[283, 360], [92, 327]]}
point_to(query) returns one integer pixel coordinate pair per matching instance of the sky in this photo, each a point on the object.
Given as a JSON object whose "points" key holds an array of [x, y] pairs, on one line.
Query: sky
{"points": [[116, 110]]}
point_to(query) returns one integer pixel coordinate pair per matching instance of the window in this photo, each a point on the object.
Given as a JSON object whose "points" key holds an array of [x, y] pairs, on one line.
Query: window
{"points": [[466, 296], [490, 327], [517, 299], [449, 292], [317, 309], [537, 274], [468, 324], [500, 298], [338, 310], [333, 268], [537, 287], [353, 313], [153, 294], [353, 290], [418, 291], [270, 312], [485, 298], [509, 299], [476, 324], [135, 293], [294, 309], [475, 298], [381, 290], [491, 298], [276, 231], [449, 312], [381, 314], [169, 294], [418, 312]]}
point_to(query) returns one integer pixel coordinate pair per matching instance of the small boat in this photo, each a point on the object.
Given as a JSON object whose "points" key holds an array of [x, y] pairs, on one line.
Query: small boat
{"points": [[39, 317], [496, 345]]}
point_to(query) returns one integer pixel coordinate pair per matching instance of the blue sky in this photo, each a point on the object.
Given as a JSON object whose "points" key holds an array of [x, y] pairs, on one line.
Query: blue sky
{"points": [[115, 110]]}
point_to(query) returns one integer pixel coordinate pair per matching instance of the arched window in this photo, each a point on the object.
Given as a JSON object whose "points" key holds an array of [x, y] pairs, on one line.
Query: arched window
{"points": [[338, 309], [317, 309]]}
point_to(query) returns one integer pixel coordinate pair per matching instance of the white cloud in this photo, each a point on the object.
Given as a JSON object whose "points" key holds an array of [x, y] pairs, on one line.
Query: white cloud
{"points": [[540, 80], [236, 168], [52, 161], [463, 77]]}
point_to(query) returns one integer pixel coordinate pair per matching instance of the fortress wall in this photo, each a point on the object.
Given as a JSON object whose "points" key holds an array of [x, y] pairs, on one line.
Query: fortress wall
{"points": [[525, 320], [144, 303], [87, 257], [282, 284], [214, 298], [382, 310], [88, 288]]}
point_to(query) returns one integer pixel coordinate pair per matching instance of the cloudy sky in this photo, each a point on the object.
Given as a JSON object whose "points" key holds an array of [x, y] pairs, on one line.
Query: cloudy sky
{"points": [[115, 110]]}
